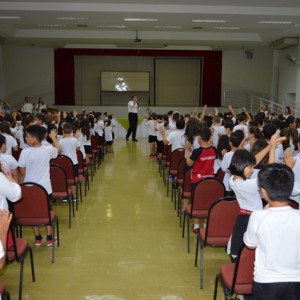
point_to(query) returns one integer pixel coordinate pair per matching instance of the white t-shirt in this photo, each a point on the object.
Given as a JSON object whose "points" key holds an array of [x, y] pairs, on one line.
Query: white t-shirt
{"points": [[8, 190], [27, 108], [176, 139], [68, 147], [275, 232], [217, 130], [247, 193], [150, 124], [226, 161], [244, 128], [99, 126], [37, 164], [172, 126], [108, 133], [296, 169], [20, 137], [83, 140], [133, 107], [10, 143], [8, 162], [160, 126]]}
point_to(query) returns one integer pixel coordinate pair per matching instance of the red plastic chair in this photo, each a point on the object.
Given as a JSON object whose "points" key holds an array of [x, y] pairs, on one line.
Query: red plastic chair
{"points": [[185, 192], [219, 226], [293, 204], [237, 278], [60, 188], [166, 161], [66, 163], [17, 250], [175, 157], [16, 154], [220, 174], [178, 181], [34, 210], [83, 171], [207, 191]]}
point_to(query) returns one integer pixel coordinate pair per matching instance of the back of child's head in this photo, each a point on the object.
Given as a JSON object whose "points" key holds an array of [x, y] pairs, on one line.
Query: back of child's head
{"points": [[154, 116], [108, 122], [208, 120], [241, 118], [176, 116], [268, 130], [277, 180], [191, 129], [67, 128], [205, 134], [165, 117], [253, 123], [180, 124], [236, 138], [40, 117], [170, 113], [217, 120], [277, 123], [37, 132], [5, 127], [255, 132], [290, 120], [240, 160], [258, 146], [259, 121], [223, 143], [229, 125], [110, 117], [2, 140]]}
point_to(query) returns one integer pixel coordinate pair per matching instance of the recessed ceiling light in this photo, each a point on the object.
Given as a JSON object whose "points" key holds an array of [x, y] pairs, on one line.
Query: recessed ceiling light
{"points": [[10, 17], [51, 25], [140, 20], [111, 26], [227, 28], [168, 27], [209, 21], [73, 18], [275, 22]]}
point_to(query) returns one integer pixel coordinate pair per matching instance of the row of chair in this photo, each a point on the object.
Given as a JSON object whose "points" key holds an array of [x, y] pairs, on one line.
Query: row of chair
{"points": [[34, 208], [207, 202]]}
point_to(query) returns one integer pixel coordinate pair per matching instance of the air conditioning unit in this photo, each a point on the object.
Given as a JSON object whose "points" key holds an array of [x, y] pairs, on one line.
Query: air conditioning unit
{"points": [[284, 43]]}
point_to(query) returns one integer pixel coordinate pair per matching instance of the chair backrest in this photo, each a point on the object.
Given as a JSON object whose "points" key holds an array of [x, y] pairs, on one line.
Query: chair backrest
{"points": [[244, 269], [16, 154], [94, 142], [221, 218], [176, 155], [59, 180], [80, 159], [207, 191], [33, 204], [220, 174], [293, 204], [168, 156], [66, 163], [181, 170], [187, 181], [166, 150]]}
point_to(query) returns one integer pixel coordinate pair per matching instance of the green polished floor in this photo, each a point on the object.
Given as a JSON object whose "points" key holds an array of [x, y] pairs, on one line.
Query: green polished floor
{"points": [[125, 242]]}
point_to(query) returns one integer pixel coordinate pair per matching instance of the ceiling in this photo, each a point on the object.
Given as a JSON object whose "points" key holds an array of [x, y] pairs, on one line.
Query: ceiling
{"points": [[92, 24]]}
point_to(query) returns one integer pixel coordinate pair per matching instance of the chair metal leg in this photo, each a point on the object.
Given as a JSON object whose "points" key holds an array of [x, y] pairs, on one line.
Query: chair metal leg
{"points": [[188, 234], [183, 224], [216, 287], [21, 277], [70, 209], [32, 264], [57, 231], [168, 185], [52, 232], [196, 252], [201, 264]]}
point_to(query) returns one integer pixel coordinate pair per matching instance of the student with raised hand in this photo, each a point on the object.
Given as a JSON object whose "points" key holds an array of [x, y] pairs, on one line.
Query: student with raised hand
{"points": [[11, 143], [275, 234], [175, 137]]}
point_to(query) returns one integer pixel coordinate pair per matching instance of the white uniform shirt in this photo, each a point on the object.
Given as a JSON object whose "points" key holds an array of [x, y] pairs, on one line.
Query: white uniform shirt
{"points": [[68, 147], [176, 139], [217, 130], [8, 190], [10, 143], [8, 161], [133, 107], [27, 108], [150, 124], [226, 161], [160, 126], [244, 128], [37, 164], [108, 133], [99, 126], [275, 232], [247, 193]]}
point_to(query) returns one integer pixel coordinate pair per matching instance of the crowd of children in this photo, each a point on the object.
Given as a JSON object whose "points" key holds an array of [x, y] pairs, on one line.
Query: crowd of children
{"points": [[252, 151]]}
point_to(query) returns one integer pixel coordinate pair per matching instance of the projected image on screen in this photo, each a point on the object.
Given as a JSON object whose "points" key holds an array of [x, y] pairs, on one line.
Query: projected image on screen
{"points": [[125, 81]]}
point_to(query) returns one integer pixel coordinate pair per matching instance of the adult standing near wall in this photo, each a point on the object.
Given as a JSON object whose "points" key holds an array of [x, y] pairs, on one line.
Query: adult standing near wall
{"points": [[133, 109], [27, 107]]}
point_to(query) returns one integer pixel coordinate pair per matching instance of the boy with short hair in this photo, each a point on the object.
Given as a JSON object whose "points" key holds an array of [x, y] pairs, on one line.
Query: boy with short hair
{"points": [[175, 138], [202, 159], [34, 163], [275, 233], [217, 130]]}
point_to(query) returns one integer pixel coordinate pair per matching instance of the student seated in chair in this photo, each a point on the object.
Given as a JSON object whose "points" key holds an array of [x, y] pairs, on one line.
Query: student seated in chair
{"points": [[275, 233]]}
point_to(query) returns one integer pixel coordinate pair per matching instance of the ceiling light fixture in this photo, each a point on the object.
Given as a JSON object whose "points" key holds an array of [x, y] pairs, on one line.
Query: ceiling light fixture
{"points": [[73, 18], [139, 20], [168, 27], [275, 22], [110, 26], [209, 21], [227, 28], [9, 17]]}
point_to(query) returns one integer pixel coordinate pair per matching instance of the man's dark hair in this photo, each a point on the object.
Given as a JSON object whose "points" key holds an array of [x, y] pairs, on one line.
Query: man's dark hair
{"points": [[269, 130], [241, 118], [240, 160], [180, 124], [236, 137], [176, 116], [37, 131], [67, 128], [277, 180], [204, 133]]}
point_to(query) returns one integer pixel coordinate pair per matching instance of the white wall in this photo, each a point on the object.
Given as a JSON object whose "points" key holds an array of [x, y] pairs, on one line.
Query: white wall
{"points": [[240, 73], [27, 71]]}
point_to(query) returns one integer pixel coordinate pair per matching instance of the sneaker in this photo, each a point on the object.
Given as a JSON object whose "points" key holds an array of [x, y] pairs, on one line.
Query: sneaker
{"points": [[64, 200], [195, 230], [38, 242], [75, 199], [49, 243], [135, 140]]}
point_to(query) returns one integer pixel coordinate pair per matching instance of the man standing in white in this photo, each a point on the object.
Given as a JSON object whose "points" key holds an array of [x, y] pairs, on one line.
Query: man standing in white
{"points": [[133, 109], [27, 107]]}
